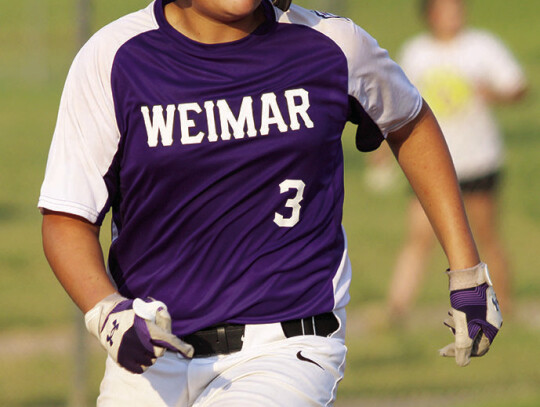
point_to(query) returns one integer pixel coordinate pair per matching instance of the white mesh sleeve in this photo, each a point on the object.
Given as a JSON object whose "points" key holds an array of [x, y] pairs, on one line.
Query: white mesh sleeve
{"points": [[380, 85], [86, 136], [375, 80], [85, 139]]}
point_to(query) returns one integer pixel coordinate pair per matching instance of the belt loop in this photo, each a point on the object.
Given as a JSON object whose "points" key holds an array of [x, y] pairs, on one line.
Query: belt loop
{"points": [[308, 327], [223, 344], [314, 325]]}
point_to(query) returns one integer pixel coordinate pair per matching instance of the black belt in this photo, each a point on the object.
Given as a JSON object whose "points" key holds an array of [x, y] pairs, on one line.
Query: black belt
{"points": [[228, 338]]}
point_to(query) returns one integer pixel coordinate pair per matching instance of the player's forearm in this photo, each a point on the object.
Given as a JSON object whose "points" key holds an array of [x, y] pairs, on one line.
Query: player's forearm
{"points": [[73, 250], [424, 157]]}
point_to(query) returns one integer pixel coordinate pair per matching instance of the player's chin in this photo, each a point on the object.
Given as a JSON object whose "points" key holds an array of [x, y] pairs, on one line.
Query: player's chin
{"points": [[238, 9]]}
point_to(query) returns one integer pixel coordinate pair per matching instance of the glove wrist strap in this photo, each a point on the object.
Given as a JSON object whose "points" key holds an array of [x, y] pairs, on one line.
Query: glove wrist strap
{"points": [[468, 278], [92, 319]]}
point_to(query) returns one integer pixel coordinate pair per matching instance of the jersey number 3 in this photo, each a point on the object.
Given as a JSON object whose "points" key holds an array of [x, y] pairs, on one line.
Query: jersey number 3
{"points": [[293, 203]]}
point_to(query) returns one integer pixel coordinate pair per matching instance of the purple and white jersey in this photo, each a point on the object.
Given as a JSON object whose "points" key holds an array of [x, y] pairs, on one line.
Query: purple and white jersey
{"points": [[222, 163]]}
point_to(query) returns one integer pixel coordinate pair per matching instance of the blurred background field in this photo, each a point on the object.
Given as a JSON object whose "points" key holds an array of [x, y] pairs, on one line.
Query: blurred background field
{"points": [[386, 366]]}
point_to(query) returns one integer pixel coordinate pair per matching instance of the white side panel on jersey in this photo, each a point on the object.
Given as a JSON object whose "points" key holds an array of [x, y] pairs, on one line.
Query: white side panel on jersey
{"points": [[342, 278], [86, 135], [376, 81]]}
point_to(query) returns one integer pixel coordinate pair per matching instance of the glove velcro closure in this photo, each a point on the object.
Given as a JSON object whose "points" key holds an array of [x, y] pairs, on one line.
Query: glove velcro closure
{"points": [[468, 278], [92, 319]]}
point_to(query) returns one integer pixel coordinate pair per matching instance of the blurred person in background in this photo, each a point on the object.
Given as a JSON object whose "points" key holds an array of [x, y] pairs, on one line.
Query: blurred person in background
{"points": [[460, 71]]}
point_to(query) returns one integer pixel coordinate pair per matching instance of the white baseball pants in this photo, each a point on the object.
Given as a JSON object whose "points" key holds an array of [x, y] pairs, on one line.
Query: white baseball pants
{"points": [[270, 370]]}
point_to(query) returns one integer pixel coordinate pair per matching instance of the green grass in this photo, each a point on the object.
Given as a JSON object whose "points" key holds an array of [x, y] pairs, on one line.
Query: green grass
{"points": [[37, 43], [406, 364]]}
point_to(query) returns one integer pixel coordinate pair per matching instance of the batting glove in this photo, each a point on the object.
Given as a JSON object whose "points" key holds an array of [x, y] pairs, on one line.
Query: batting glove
{"points": [[475, 318], [134, 332], [282, 4]]}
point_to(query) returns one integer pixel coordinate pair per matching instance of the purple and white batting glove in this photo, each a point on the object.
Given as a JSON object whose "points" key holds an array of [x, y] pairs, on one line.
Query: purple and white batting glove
{"points": [[134, 332], [475, 318]]}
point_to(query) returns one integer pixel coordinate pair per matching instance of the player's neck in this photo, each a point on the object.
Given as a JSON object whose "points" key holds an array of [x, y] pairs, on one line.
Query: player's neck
{"points": [[207, 29], [444, 37], [446, 33]]}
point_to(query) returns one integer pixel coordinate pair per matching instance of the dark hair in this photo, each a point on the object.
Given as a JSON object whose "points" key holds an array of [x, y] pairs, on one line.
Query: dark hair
{"points": [[424, 6]]}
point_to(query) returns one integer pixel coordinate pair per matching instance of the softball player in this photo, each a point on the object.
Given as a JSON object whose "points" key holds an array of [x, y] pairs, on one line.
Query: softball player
{"points": [[212, 130]]}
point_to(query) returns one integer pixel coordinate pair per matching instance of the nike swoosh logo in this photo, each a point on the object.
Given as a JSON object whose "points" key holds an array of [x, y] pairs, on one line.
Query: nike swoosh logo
{"points": [[303, 358]]}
